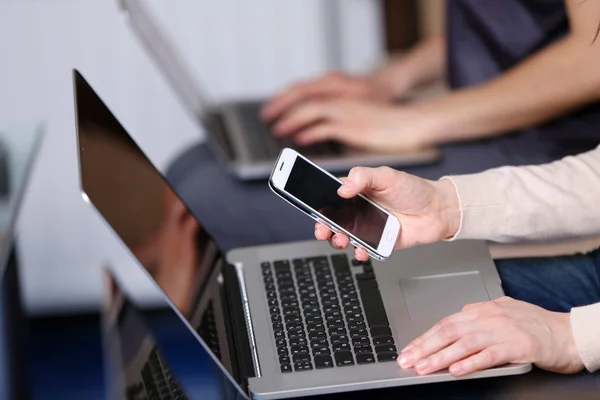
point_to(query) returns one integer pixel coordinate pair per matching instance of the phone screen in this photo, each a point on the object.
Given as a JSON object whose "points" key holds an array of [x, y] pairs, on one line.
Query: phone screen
{"points": [[319, 191]]}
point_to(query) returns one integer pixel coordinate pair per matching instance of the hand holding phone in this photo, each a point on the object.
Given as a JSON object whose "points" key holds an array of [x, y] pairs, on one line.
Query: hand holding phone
{"points": [[313, 190]]}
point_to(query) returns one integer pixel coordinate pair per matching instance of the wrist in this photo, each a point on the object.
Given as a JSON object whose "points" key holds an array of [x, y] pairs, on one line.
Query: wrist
{"points": [[448, 207], [390, 82]]}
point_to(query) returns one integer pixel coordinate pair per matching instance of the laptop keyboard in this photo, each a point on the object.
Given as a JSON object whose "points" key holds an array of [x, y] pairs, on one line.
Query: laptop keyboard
{"points": [[323, 317], [208, 330], [265, 145]]}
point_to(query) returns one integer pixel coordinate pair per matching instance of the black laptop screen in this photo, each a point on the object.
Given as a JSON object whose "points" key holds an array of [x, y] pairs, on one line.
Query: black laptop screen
{"points": [[152, 221]]}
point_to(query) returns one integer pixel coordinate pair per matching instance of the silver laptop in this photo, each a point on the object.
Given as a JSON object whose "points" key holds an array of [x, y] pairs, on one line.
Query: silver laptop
{"points": [[235, 129], [284, 320]]}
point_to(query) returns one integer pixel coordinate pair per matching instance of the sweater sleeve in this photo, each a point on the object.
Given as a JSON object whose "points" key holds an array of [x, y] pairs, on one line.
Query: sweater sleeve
{"points": [[547, 202]]}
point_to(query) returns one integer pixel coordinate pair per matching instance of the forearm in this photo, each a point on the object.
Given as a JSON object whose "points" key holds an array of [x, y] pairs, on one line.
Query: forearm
{"points": [[510, 204], [559, 79], [424, 63]]}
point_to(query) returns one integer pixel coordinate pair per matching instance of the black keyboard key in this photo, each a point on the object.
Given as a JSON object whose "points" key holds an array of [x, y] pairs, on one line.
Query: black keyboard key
{"points": [[354, 307], [340, 263], [284, 359], [292, 318], [315, 326], [323, 361], [363, 341], [265, 266], [279, 335], [365, 276], [277, 326], [332, 315], [343, 358], [270, 287], [381, 357], [310, 303], [356, 263], [271, 295], [299, 349], [353, 316], [385, 348], [294, 325], [365, 358], [377, 331], [267, 272], [320, 351], [280, 342], [294, 333], [337, 330], [313, 317], [317, 335], [274, 310], [268, 280], [275, 318], [301, 357], [273, 303], [291, 310], [362, 349], [299, 262], [358, 333], [334, 323], [374, 309], [298, 341], [346, 297], [340, 346], [289, 303], [318, 261], [383, 340], [339, 339], [303, 366], [283, 283], [283, 276], [332, 307], [282, 350], [286, 368], [319, 343], [356, 325], [283, 265]]}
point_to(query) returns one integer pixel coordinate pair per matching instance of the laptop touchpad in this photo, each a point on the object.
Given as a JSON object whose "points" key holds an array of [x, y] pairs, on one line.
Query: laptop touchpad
{"points": [[430, 298]]}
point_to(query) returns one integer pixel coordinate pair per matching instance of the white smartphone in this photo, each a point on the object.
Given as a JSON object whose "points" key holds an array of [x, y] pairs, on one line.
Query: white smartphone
{"points": [[313, 190]]}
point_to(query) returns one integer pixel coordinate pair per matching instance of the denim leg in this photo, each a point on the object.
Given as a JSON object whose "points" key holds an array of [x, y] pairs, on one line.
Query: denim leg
{"points": [[554, 283]]}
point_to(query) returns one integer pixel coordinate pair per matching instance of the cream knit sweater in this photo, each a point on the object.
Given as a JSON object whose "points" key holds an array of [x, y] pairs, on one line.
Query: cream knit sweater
{"points": [[552, 201]]}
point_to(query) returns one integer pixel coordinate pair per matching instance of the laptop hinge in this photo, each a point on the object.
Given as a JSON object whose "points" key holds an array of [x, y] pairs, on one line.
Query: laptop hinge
{"points": [[242, 332]]}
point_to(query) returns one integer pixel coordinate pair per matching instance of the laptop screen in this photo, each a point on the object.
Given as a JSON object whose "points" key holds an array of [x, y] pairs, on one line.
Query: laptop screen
{"points": [[153, 222]]}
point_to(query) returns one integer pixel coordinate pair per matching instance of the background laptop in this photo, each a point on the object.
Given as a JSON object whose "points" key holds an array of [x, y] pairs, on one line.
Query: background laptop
{"points": [[235, 129], [16, 160], [283, 320]]}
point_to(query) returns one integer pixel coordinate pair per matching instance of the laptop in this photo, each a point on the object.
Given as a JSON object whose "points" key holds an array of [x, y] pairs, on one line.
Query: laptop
{"points": [[16, 157], [234, 129], [283, 320]]}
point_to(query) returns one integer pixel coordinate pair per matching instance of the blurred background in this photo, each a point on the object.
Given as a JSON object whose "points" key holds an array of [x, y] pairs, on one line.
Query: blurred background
{"points": [[236, 49]]}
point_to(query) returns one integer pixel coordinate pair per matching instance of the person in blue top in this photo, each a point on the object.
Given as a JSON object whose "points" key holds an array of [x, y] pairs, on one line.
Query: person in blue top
{"points": [[525, 89], [523, 75]]}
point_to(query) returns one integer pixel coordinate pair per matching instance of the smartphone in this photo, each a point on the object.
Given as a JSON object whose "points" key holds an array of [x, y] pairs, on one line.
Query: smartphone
{"points": [[313, 190]]}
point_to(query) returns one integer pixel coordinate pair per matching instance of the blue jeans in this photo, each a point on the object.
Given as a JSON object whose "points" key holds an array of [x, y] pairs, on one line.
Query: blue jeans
{"points": [[554, 283]]}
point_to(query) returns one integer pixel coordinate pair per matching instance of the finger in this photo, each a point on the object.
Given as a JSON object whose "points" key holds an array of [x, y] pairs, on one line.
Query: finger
{"points": [[361, 179], [340, 241], [468, 307], [322, 132], [302, 116], [463, 348], [299, 93], [490, 357], [361, 255], [322, 232], [441, 338], [463, 316]]}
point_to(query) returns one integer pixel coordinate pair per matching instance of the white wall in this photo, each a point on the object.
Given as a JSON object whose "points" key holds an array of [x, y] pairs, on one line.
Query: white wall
{"points": [[64, 242]]}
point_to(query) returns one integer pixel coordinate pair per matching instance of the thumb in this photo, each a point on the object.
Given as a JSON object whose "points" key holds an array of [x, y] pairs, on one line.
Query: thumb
{"points": [[361, 180]]}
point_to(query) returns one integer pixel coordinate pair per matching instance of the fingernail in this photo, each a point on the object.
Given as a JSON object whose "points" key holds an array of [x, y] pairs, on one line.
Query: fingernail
{"points": [[456, 369], [408, 347], [422, 366], [346, 187], [406, 360], [337, 241]]}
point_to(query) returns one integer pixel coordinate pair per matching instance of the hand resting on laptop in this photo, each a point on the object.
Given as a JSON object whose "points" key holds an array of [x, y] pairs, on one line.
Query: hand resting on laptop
{"points": [[507, 204]]}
